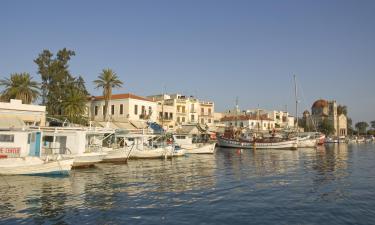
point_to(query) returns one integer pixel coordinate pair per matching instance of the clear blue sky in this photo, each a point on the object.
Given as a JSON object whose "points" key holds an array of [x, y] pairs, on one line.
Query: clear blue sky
{"points": [[214, 50]]}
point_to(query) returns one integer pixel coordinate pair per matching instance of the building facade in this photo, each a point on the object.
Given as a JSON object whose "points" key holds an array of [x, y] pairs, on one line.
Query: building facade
{"points": [[327, 110], [262, 123], [186, 110], [123, 108], [30, 114], [281, 119]]}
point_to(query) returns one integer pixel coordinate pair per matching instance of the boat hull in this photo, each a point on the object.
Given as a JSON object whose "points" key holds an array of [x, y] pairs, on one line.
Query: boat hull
{"points": [[290, 145], [88, 159], [229, 143], [30, 166], [307, 143], [199, 148], [116, 155], [166, 152]]}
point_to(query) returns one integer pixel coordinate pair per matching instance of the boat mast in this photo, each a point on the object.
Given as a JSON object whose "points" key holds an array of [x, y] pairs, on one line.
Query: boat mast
{"points": [[295, 96]]}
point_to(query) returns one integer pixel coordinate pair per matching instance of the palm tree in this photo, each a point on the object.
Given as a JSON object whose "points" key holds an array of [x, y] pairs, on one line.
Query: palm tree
{"points": [[74, 105], [108, 79], [20, 86]]}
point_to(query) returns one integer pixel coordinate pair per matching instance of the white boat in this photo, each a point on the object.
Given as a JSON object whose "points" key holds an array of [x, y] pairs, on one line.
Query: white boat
{"points": [[233, 143], [160, 152], [140, 146], [20, 154], [331, 140], [78, 143], [200, 148], [266, 143], [360, 140], [186, 143], [307, 142], [32, 165]]}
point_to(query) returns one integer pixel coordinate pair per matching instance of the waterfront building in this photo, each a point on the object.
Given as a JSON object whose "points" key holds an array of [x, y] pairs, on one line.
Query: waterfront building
{"points": [[252, 122], [30, 114], [186, 110], [123, 108], [326, 110], [282, 119]]}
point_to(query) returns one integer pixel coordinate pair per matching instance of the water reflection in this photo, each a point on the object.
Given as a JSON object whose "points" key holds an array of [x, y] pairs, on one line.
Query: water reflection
{"points": [[232, 183], [106, 187]]}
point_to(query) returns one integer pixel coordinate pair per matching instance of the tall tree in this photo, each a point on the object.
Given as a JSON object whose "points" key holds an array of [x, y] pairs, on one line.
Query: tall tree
{"points": [[342, 109], [361, 127], [58, 84], [107, 80], [20, 86]]}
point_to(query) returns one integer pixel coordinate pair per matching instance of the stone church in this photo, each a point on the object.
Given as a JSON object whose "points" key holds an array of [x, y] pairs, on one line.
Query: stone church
{"points": [[323, 109]]}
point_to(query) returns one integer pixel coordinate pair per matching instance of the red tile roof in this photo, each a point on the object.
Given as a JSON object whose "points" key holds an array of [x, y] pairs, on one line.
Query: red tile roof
{"points": [[121, 96], [245, 117]]}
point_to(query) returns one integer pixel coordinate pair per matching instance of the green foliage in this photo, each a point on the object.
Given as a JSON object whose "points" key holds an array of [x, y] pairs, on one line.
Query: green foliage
{"points": [[327, 127], [342, 109], [107, 80], [373, 124], [59, 86], [20, 86], [361, 127], [74, 105]]}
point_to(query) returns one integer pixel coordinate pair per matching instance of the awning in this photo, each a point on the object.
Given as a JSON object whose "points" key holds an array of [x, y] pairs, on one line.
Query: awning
{"points": [[11, 122]]}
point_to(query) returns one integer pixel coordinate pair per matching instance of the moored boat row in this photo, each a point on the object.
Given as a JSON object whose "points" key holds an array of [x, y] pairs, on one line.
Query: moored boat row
{"points": [[57, 150]]}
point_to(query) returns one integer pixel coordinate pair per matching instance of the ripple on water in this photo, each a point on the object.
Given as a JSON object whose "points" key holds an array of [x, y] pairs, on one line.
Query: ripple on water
{"points": [[309, 186]]}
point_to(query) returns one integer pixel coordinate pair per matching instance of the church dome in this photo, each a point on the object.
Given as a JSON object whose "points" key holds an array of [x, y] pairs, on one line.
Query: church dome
{"points": [[321, 103]]}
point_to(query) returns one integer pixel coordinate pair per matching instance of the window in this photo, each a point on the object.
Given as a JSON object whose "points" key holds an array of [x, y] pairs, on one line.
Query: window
{"points": [[160, 115], [209, 121], [178, 108], [96, 109], [202, 121], [192, 117], [171, 116], [209, 112], [180, 137], [202, 111], [183, 109], [149, 110], [166, 115], [178, 119], [183, 119], [113, 109], [136, 109], [103, 109], [6, 137], [143, 110], [121, 109]]}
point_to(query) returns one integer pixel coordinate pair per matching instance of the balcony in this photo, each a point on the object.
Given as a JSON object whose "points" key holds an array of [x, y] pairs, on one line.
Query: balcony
{"points": [[165, 118]]}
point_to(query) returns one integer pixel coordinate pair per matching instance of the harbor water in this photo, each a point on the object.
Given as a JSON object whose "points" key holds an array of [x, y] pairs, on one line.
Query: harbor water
{"points": [[334, 184]]}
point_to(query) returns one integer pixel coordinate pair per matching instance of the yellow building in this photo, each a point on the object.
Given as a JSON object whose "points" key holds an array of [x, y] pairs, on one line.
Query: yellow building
{"points": [[34, 115]]}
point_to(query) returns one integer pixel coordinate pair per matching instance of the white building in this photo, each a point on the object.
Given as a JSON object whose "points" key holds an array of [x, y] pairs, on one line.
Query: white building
{"points": [[282, 119], [249, 121], [123, 108], [29, 114], [186, 110]]}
